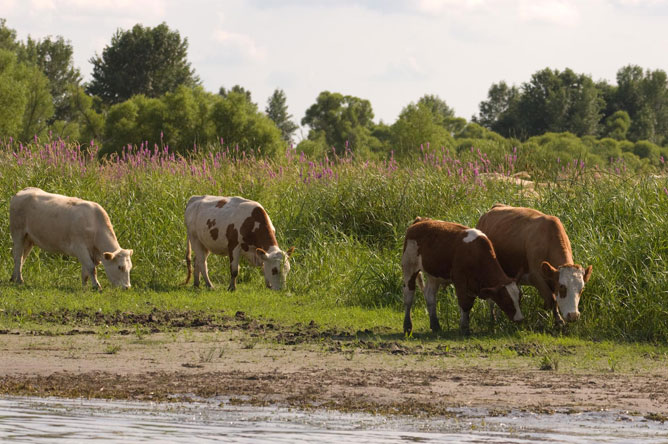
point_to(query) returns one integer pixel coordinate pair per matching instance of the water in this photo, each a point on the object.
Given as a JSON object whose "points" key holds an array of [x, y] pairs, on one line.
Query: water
{"points": [[37, 420]]}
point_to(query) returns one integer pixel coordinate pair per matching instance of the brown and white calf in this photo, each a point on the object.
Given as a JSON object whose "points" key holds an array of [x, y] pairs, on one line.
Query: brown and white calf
{"points": [[446, 253], [237, 227], [68, 225], [526, 239]]}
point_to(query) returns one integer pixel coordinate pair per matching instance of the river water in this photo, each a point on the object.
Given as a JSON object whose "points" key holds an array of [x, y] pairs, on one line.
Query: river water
{"points": [[38, 420]]}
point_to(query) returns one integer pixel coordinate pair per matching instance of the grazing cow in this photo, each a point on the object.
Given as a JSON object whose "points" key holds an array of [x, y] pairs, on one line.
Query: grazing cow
{"points": [[447, 253], [68, 225], [526, 239], [237, 227]]}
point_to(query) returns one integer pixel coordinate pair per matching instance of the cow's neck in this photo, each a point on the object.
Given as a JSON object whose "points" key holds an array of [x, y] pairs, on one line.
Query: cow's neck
{"points": [[561, 255], [106, 242]]}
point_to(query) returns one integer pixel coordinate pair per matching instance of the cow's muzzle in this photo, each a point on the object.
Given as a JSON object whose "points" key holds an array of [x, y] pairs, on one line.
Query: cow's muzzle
{"points": [[573, 316]]}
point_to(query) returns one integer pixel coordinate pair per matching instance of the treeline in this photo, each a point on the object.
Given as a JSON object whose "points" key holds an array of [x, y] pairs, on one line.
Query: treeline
{"points": [[143, 89]]}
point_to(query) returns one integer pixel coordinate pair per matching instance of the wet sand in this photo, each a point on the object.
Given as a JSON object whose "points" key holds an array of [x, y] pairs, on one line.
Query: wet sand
{"points": [[288, 367]]}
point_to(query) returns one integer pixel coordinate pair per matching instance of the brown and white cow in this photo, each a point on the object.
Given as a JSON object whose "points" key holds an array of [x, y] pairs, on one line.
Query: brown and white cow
{"points": [[75, 227], [237, 227], [526, 239], [446, 253]]}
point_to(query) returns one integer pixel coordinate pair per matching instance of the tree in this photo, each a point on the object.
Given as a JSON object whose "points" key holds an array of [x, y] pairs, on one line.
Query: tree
{"points": [[617, 125], [144, 60], [236, 89], [552, 101], [238, 122], [13, 97], [7, 37], [277, 110], [344, 121], [644, 95], [54, 57], [498, 113], [418, 125]]}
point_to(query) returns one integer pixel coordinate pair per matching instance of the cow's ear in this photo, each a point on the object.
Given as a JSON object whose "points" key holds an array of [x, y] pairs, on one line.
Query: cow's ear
{"points": [[109, 256], [290, 251], [587, 274], [549, 272], [130, 252], [261, 254]]}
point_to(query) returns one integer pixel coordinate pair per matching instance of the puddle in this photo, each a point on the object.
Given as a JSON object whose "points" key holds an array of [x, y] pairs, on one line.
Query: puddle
{"points": [[39, 420]]}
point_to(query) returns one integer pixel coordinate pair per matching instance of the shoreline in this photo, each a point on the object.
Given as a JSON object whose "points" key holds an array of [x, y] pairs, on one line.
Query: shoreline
{"points": [[418, 379]]}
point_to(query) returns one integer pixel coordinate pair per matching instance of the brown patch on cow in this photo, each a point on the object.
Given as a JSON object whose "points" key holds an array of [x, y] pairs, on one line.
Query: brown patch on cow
{"points": [[274, 271], [244, 246], [221, 203], [214, 233], [210, 223], [262, 237], [232, 238]]}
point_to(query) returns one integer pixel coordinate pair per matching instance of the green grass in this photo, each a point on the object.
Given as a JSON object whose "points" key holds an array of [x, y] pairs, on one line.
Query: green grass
{"points": [[348, 231]]}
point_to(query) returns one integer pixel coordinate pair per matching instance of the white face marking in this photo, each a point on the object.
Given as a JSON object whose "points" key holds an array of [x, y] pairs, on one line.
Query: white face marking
{"points": [[118, 269], [472, 234], [573, 279], [278, 261], [514, 292], [256, 226]]}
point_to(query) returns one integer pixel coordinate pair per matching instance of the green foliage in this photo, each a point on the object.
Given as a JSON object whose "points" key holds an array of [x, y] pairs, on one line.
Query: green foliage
{"points": [[617, 125], [144, 60], [645, 149], [277, 111], [345, 121], [418, 125], [54, 57], [347, 219], [13, 97], [238, 122]]}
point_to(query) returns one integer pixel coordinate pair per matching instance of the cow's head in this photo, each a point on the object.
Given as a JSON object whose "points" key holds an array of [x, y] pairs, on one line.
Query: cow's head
{"points": [[117, 264], [276, 266], [568, 282], [507, 297]]}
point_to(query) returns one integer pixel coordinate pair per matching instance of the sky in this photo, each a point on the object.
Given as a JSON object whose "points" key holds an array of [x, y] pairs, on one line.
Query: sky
{"points": [[389, 52]]}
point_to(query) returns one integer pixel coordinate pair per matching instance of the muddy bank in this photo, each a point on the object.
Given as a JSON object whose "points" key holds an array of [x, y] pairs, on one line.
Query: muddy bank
{"points": [[288, 367]]}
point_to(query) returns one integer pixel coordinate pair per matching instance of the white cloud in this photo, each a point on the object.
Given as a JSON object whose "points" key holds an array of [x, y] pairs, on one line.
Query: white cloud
{"points": [[239, 45], [405, 70], [442, 6], [102, 7], [556, 12]]}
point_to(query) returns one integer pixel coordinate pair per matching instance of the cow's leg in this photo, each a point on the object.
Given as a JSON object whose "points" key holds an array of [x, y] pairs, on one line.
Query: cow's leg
{"points": [[409, 294], [549, 301], [465, 305], [21, 248], [430, 291], [201, 267], [235, 257], [88, 271]]}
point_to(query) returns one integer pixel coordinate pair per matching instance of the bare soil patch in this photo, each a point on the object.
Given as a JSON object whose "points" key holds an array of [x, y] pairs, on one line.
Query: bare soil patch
{"points": [[249, 361]]}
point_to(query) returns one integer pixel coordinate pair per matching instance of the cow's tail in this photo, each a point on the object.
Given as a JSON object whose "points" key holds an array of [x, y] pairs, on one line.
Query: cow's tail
{"points": [[188, 262], [419, 281]]}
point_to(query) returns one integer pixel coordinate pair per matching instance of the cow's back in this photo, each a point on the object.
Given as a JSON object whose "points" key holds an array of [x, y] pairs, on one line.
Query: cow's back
{"points": [[438, 244], [55, 222], [524, 237], [223, 222]]}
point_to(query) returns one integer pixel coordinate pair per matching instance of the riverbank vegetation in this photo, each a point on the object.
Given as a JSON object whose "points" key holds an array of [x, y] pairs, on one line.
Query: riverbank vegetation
{"points": [[346, 216]]}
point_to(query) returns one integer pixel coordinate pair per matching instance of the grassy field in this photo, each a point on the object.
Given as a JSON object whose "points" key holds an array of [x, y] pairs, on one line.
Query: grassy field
{"points": [[346, 217]]}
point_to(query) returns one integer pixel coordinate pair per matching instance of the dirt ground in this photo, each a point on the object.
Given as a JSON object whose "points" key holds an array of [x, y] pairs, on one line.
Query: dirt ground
{"points": [[382, 377]]}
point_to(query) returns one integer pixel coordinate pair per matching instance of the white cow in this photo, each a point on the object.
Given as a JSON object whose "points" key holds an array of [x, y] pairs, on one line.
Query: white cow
{"points": [[236, 227], [75, 227]]}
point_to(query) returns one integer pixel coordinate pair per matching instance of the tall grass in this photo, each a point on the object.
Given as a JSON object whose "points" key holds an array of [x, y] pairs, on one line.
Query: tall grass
{"points": [[347, 218]]}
